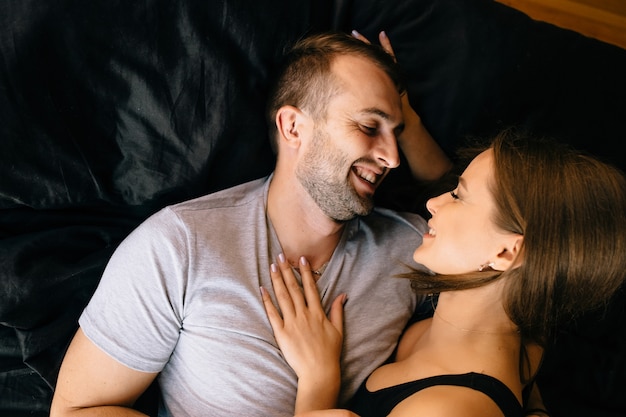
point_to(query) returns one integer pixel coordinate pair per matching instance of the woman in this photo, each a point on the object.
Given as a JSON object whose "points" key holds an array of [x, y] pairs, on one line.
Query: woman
{"points": [[533, 235]]}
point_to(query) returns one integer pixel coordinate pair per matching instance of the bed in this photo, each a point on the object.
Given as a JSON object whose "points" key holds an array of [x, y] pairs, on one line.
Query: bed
{"points": [[110, 110]]}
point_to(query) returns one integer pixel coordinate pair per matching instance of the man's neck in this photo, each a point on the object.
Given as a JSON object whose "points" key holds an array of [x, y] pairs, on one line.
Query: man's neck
{"points": [[302, 228]]}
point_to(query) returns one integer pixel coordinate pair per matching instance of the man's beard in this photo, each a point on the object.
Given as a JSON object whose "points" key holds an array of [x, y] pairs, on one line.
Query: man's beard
{"points": [[321, 174]]}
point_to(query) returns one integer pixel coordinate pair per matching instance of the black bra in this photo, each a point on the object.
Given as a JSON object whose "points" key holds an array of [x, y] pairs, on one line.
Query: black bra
{"points": [[380, 403]]}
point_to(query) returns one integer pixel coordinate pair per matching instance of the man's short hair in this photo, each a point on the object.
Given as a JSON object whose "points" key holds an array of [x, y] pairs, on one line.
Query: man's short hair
{"points": [[305, 80]]}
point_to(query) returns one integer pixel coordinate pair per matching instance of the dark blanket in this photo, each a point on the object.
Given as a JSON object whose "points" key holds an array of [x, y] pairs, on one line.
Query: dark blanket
{"points": [[110, 110]]}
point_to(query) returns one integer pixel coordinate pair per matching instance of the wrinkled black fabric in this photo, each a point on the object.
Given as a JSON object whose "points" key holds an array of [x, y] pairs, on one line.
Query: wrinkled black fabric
{"points": [[478, 66], [110, 110]]}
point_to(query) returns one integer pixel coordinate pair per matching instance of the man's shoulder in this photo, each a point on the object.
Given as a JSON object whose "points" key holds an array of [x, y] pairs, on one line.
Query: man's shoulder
{"points": [[397, 219], [238, 195]]}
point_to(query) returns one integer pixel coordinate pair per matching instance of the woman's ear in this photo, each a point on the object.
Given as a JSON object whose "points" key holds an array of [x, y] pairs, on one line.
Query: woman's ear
{"points": [[510, 254], [291, 123]]}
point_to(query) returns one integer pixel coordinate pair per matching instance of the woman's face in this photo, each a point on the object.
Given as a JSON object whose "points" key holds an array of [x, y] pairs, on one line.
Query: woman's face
{"points": [[462, 235]]}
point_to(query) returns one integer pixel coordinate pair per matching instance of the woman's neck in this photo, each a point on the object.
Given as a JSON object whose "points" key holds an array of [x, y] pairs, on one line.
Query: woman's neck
{"points": [[476, 311]]}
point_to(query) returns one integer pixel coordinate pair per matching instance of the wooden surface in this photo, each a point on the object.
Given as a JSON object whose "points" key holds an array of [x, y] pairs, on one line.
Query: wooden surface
{"points": [[601, 19]]}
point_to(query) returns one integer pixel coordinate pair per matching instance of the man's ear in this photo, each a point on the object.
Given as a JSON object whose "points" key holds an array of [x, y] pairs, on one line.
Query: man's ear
{"points": [[291, 124], [511, 253]]}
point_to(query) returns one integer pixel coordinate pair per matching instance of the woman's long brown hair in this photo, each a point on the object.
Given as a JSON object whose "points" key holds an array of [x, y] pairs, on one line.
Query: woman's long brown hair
{"points": [[571, 210]]}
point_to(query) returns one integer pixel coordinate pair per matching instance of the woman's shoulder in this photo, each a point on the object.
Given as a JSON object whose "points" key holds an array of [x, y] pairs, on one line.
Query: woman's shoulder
{"points": [[409, 338]]}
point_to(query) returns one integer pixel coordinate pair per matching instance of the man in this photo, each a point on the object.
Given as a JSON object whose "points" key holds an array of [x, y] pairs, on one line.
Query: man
{"points": [[180, 297]]}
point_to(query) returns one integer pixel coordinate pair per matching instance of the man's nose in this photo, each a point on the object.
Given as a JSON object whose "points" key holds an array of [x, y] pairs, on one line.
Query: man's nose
{"points": [[387, 152]]}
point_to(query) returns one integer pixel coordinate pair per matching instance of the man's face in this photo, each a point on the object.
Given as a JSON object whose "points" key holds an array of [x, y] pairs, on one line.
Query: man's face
{"points": [[351, 152]]}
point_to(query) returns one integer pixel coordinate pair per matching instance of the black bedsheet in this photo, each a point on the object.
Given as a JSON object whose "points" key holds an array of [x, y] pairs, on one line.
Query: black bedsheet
{"points": [[111, 109]]}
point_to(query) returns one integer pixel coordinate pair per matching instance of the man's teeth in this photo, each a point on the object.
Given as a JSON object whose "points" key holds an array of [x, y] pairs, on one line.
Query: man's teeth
{"points": [[366, 174], [369, 177]]}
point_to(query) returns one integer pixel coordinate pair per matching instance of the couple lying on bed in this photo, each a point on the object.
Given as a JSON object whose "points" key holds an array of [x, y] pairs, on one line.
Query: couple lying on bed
{"points": [[180, 298]]}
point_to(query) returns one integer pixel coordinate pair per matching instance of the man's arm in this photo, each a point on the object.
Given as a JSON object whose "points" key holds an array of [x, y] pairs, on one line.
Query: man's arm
{"points": [[93, 383], [427, 161]]}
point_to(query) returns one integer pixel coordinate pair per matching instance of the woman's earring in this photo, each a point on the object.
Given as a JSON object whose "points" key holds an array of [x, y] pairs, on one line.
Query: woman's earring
{"points": [[485, 266]]}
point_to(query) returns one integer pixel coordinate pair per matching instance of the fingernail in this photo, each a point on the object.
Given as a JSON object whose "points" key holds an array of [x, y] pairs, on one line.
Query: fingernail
{"points": [[273, 268], [302, 260], [281, 257], [383, 33], [355, 33]]}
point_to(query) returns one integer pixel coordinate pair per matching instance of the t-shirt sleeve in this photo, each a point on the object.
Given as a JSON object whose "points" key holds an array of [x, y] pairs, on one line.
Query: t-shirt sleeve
{"points": [[136, 313]]}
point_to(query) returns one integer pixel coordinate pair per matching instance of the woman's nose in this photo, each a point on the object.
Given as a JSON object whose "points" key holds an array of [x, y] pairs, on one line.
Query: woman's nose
{"points": [[433, 204], [430, 206]]}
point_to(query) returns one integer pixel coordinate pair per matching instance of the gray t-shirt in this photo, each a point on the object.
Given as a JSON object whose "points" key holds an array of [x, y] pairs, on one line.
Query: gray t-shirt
{"points": [[181, 296]]}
